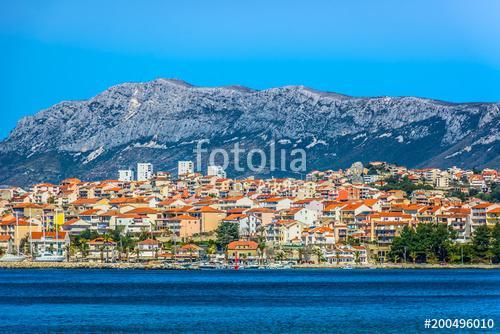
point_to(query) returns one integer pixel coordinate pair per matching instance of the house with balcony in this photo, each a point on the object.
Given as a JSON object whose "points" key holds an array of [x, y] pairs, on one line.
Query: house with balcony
{"points": [[102, 250], [243, 252], [53, 243], [478, 213], [346, 255], [148, 249]]}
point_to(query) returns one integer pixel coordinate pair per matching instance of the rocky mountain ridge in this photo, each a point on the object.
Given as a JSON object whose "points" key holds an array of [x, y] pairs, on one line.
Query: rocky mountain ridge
{"points": [[160, 121]]}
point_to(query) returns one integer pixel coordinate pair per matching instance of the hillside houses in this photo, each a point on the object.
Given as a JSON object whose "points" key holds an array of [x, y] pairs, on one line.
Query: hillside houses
{"points": [[330, 210]]}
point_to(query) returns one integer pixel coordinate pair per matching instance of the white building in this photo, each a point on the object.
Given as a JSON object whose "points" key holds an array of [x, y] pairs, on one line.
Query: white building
{"points": [[125, 175], [185, 167], [144, 171], [49, 242], [216, 171]]}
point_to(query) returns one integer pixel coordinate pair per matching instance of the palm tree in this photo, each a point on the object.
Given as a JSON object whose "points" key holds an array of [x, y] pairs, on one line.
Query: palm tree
{"points": [[261, 242], [212, 249], [101, 249], [106, 248], [305, 253], [413, 256], [190, 251], [137, 254], [83, 247], [68, 249], [319, 253], [243, 258], [356, 257]]}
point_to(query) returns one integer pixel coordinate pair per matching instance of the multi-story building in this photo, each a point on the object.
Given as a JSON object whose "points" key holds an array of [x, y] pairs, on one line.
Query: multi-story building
{"points": [[185, 168], [144, 171], [52, 243], [125, 175], [216, 171]]}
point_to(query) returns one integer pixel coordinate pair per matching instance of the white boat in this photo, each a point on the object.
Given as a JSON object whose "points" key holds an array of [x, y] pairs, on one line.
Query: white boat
{"points": [[48, 257], [12, 258], [210, 266], [252, 266], [347, 267], [279, 266]]}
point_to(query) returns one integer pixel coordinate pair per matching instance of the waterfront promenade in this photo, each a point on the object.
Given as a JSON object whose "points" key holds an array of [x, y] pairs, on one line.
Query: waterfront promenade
{"points": [[160, 265]]}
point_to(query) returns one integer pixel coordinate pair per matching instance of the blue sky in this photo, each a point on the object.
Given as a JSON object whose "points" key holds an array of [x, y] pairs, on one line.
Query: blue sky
{"points": [[65, 50]]}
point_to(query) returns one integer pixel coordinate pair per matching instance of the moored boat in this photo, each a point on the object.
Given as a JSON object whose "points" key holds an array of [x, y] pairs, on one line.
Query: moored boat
{"points": [[12, 258], [48, 257], [210, 266]]}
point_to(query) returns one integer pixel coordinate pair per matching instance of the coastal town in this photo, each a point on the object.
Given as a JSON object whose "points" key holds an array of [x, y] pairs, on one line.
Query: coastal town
{"points": [[361, 216]]}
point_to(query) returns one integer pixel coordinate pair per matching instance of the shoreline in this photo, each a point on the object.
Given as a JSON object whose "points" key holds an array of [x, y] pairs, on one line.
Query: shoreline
{"points": [[158, 265]]}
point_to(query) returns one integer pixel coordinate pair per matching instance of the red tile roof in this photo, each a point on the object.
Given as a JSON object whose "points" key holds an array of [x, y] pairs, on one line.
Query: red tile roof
{"points": [[242, 243], [39, 235]]}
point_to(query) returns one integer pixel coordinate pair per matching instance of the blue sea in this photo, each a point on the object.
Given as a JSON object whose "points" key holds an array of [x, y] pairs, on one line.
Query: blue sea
{"points": [[245, 301]]}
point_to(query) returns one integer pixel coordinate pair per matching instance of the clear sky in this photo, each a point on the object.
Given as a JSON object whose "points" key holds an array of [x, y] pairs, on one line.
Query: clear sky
{"points": [[65, 50]]}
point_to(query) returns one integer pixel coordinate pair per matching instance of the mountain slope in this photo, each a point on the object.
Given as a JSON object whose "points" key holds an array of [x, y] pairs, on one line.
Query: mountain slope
{"points": [[159, 121]]}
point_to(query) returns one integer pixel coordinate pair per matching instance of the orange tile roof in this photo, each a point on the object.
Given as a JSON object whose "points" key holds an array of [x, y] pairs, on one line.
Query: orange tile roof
{"points": [[183, 217], [242, 243], [127, 200], [83, 201], [39, 235], [149, 242], [235, 216], [143, 211], [261, 210], [90, 212], [208, 209], [351, 206], [390, 214], [72, 221], [482, 206], [192, 247]]}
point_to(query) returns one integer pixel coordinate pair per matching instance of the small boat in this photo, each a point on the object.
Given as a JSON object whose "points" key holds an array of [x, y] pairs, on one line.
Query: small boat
{"points": [[279, 266], [49, 257], [253, 266], [12, 258], [347, 267], [210, 266]]}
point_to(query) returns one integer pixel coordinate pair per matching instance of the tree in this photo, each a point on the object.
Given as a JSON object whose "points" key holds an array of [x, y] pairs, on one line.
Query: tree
{"points": [[211, 250], [461, 253], [305, 253], [101, 249], [427, 243], [406, 241], [127, 244], [492, 196], [261, 242], [226, 233], [279, 254], [69, 250], [403, 183], [319, 254], [495, 243], [481, 242], [83, 248], [145, 234]]}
